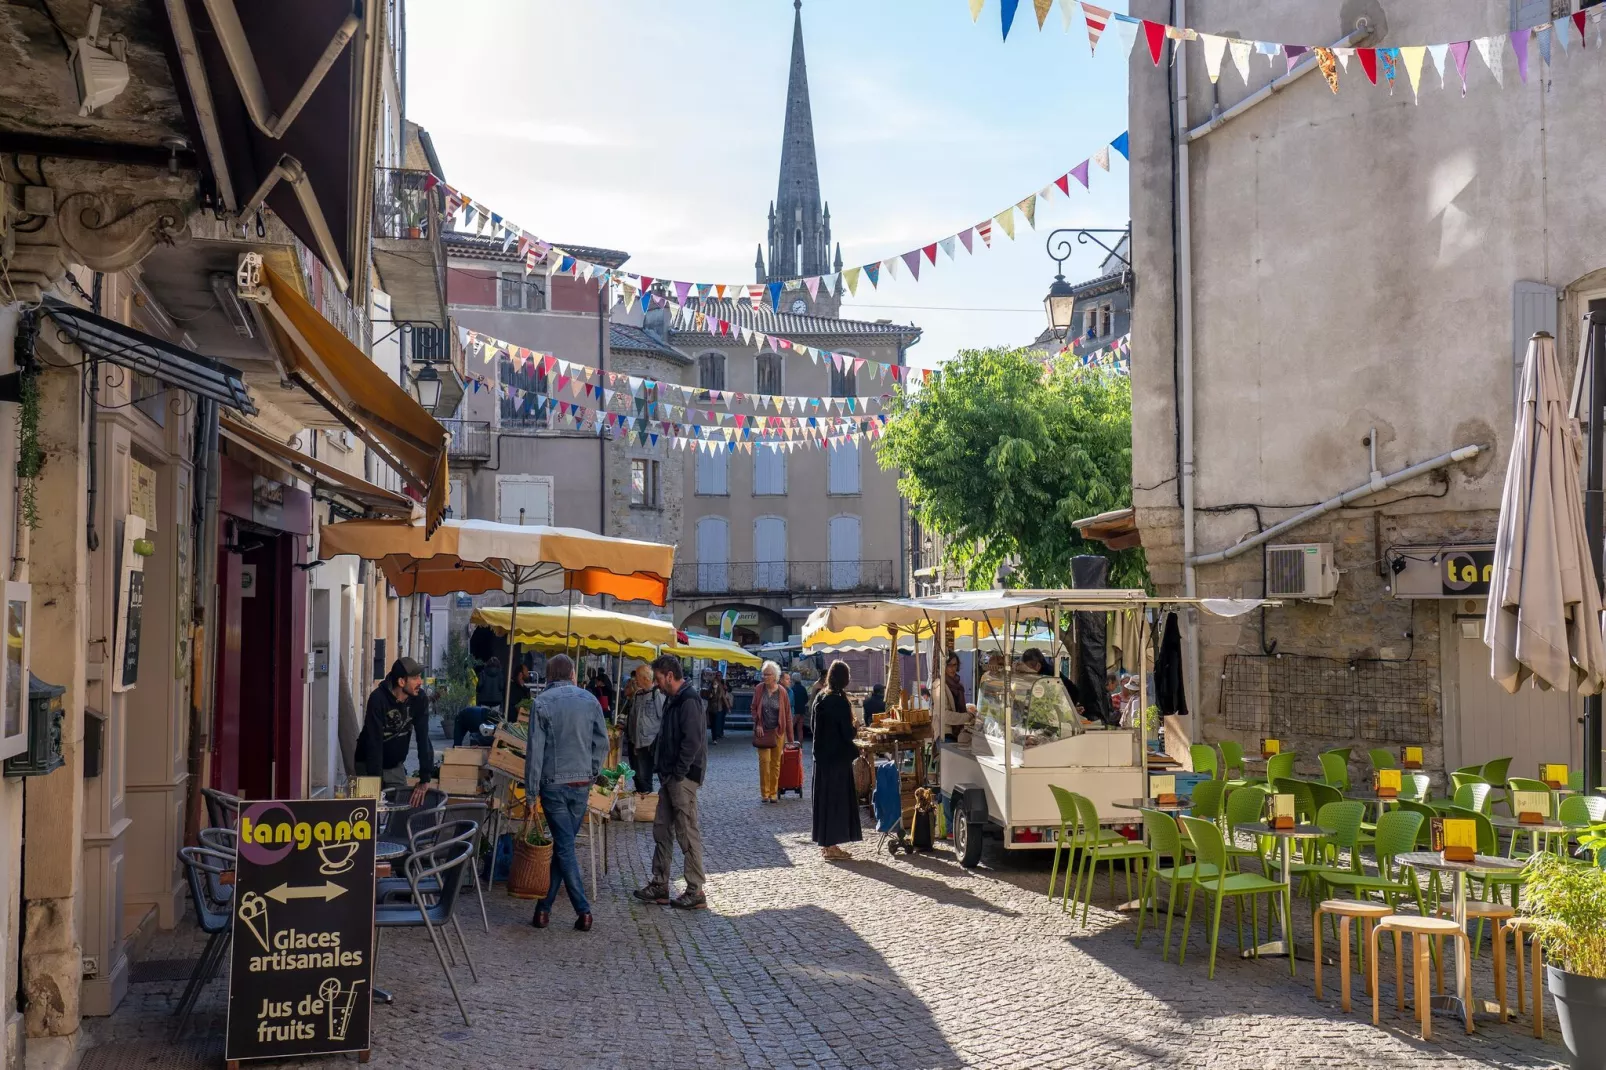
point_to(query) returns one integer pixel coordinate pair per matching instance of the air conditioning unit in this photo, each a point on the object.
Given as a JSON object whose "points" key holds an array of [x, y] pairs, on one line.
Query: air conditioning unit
{"points": [[1301, 570]]}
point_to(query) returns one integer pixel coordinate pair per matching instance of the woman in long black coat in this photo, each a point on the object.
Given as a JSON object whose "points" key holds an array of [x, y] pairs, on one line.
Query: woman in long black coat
{"points": [[836, 806]]}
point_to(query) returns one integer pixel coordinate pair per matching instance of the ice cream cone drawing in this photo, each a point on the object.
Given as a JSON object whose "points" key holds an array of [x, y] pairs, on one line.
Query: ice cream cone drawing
{"points": [[340, 1002], [254, 914]]}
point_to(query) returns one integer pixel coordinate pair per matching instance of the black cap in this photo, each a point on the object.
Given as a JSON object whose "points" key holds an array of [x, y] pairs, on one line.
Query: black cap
{"points": [[404, 668]]}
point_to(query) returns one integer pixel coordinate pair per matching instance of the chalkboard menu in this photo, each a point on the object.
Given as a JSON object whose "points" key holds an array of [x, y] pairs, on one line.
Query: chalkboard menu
{"points": [[301, 965], [133, 612]]}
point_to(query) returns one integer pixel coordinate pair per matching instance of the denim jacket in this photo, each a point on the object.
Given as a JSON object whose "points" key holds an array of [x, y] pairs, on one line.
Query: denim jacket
{"points": [[568, 738]]}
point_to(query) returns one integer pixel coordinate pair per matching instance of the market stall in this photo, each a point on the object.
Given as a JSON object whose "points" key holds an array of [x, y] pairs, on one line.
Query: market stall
{"points": [[1025, 734]]}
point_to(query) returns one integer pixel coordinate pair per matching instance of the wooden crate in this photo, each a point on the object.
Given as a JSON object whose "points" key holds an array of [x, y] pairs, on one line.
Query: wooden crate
{"points": [[456, 785], [507, 753], [475, 756]]}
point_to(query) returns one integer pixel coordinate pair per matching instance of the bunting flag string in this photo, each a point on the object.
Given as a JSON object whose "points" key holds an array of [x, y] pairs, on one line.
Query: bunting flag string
{"points": [[1576, 28], [654, 397], [1116, 356], [533, 250], [687, 434]]}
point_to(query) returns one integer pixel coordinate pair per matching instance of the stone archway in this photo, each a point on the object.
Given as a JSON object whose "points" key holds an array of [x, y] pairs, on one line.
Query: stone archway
{"points": [[754, 624]]}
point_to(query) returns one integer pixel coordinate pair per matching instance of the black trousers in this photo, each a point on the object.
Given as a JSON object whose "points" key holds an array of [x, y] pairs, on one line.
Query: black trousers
{"points": [[641, 760]]}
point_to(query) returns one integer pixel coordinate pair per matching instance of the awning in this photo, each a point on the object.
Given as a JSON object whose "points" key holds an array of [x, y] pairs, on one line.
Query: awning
{"points": [[104, 339], [323, 476], [587, 623], [340, 376], [1117, 529]]}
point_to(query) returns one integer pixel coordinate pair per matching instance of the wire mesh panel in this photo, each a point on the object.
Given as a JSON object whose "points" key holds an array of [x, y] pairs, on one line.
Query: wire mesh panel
{"points": [[1289, 695]]}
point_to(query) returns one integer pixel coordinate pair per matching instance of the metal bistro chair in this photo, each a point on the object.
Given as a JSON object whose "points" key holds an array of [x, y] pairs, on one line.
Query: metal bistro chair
{"points": [[205, 870], [222, 809], [436, 826], [395, 800], [434, 878]]}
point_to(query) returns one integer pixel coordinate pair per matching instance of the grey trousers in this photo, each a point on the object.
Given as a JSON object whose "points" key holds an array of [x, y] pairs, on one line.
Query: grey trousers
{"points": [[677, 819]]}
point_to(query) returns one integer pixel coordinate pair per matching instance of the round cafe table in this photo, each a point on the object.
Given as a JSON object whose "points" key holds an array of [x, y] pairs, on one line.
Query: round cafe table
{"points": [[1458, 871], [1181, 806], [1285, 853], [1547, 828]]}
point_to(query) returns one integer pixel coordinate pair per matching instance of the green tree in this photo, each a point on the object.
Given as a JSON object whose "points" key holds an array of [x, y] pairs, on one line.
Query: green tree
{"points": [[1000, 458]]}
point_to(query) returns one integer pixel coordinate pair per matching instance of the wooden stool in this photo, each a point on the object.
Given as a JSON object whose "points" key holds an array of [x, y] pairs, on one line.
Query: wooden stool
{"points": [[1363, 913], [1518, 927], [1496, 914], [1421, 929]]}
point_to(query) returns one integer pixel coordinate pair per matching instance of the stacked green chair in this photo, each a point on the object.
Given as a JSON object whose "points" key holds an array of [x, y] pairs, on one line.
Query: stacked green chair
{"points": [[1070, 837], [1093, 852], [1335, 768], [1207, 797], [1219, 885], [1204, 760], [1247, 806], [1166, 841]]}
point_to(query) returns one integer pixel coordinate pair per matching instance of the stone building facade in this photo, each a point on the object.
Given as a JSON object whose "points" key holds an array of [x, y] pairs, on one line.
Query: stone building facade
{"points": [[1337, 310]]}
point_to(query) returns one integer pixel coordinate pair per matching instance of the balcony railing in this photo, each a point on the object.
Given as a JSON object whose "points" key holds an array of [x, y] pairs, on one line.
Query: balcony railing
{"points": [[783, 577], [471, 440], [408, 220]]}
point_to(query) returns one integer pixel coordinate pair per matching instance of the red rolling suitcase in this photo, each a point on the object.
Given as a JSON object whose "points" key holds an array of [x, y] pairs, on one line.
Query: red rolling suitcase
{"points": [[791, 769]]}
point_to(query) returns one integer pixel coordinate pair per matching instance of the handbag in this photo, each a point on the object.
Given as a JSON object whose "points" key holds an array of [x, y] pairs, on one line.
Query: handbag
{"points": [[765, 738]]}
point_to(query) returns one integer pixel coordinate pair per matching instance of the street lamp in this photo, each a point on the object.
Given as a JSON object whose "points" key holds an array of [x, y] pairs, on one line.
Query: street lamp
{"points": [[1061, 299], [1058, 304], [427, 387]]}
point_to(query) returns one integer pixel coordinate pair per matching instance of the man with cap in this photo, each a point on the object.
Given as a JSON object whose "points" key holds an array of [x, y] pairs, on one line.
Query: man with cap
{"points": [[396, 710]]}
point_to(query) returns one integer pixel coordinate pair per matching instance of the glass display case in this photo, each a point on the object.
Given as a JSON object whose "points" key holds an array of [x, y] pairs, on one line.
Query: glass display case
{"points": [[1041, 711]]}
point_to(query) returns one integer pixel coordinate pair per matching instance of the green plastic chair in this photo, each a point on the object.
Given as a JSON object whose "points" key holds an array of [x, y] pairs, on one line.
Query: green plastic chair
{"points": [[1335, 768], [1344, 819], [1210, 850], [1322, 794], [1232, 759], [1495, 770], [1467, 776], [1094, 852], [1415, 786], [1069, 837], [1207, 796], [1424, 835], [1280, 766], [1204, 760], [1165, 839], [1304, 800], [1247, 806], [1521, 783], [1580, 811], [1575, 780], [1382, 758], [1469, 796], [1396, 835]]}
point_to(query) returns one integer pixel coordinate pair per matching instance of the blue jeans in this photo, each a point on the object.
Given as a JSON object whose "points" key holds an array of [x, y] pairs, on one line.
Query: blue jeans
{"points": [[565, 808]]}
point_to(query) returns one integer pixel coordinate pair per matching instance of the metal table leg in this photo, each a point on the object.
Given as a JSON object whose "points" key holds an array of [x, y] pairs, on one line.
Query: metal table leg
{"points": [[1446, 1003], [1279, 948]]}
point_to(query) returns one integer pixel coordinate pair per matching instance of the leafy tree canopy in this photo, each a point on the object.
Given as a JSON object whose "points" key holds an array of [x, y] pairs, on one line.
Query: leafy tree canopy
{"points": [[1000, 459]]}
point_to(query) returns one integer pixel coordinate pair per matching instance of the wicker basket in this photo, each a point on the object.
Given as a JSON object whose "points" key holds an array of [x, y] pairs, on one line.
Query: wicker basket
{"points": [[531, 873]]}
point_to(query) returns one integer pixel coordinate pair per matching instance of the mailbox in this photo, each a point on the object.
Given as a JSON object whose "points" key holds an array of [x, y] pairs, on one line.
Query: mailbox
{"points": [[44, 731]]}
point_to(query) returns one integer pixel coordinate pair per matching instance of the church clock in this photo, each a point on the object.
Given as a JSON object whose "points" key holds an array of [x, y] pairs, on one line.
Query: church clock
{"points": [[800, 306]]}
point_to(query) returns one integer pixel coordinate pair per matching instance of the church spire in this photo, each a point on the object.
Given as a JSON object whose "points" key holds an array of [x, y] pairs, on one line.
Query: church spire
{"points": [[799, 239]]}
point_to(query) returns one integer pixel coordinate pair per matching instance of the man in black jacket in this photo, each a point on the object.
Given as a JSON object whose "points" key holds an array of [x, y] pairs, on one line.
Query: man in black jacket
{"points": [[396, 711], [682, 758]]}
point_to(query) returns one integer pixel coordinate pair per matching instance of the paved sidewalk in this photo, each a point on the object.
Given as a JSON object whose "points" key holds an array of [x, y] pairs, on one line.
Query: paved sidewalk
{"points": [[898, 963]]}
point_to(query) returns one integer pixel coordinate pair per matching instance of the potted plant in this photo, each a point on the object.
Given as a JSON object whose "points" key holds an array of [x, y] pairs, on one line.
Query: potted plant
{"points": [[1568, 903]]}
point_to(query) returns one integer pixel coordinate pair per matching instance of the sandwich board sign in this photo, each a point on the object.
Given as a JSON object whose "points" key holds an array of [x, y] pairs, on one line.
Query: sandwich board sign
{"points": [[301, 964]]}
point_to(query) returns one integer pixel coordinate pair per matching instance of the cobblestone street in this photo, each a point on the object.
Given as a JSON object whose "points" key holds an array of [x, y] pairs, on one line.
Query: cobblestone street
{"points": [[908, 963]]}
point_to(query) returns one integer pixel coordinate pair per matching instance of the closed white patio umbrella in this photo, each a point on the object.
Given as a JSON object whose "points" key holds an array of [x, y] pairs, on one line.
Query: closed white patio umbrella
{"points": [[1543, 619]]}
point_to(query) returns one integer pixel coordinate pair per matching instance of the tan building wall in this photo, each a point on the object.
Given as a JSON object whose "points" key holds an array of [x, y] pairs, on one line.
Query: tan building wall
{"points": [[1355, 259]]}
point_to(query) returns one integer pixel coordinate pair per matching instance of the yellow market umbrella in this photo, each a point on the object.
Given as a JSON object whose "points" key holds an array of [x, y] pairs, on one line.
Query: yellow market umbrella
{"points": [[706, 646], [589, 625]]}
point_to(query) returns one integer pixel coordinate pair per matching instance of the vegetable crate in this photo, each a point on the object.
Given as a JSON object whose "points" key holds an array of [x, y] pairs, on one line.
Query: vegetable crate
{"points": [[507, 750]]}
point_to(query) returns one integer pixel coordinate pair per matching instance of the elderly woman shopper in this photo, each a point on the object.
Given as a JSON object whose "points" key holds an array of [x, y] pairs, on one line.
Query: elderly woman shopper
{"points": [[644, 712], [772, 729], [836, 806]]}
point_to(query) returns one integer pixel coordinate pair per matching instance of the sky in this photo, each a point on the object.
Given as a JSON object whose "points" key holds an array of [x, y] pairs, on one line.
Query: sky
{"points": [[655, 128]]}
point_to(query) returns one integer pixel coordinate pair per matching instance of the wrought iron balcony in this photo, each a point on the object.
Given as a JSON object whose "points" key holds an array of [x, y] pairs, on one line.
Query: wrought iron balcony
{"points": [[784, 578], [408, 219], [471, 440]]}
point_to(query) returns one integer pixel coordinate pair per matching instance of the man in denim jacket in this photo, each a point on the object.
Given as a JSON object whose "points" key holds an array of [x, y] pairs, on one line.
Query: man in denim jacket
{"points": [[568, 743]]}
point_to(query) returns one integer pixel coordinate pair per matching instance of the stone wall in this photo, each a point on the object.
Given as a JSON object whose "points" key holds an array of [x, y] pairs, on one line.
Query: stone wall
{"points": [[663, 522]]}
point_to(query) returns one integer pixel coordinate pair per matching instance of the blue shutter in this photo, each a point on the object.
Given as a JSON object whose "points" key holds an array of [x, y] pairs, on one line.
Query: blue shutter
{"points": [[1533, 308]]}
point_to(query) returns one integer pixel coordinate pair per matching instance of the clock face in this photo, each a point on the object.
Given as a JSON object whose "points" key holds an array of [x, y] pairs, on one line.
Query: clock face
{"points": [[800, 305]]}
